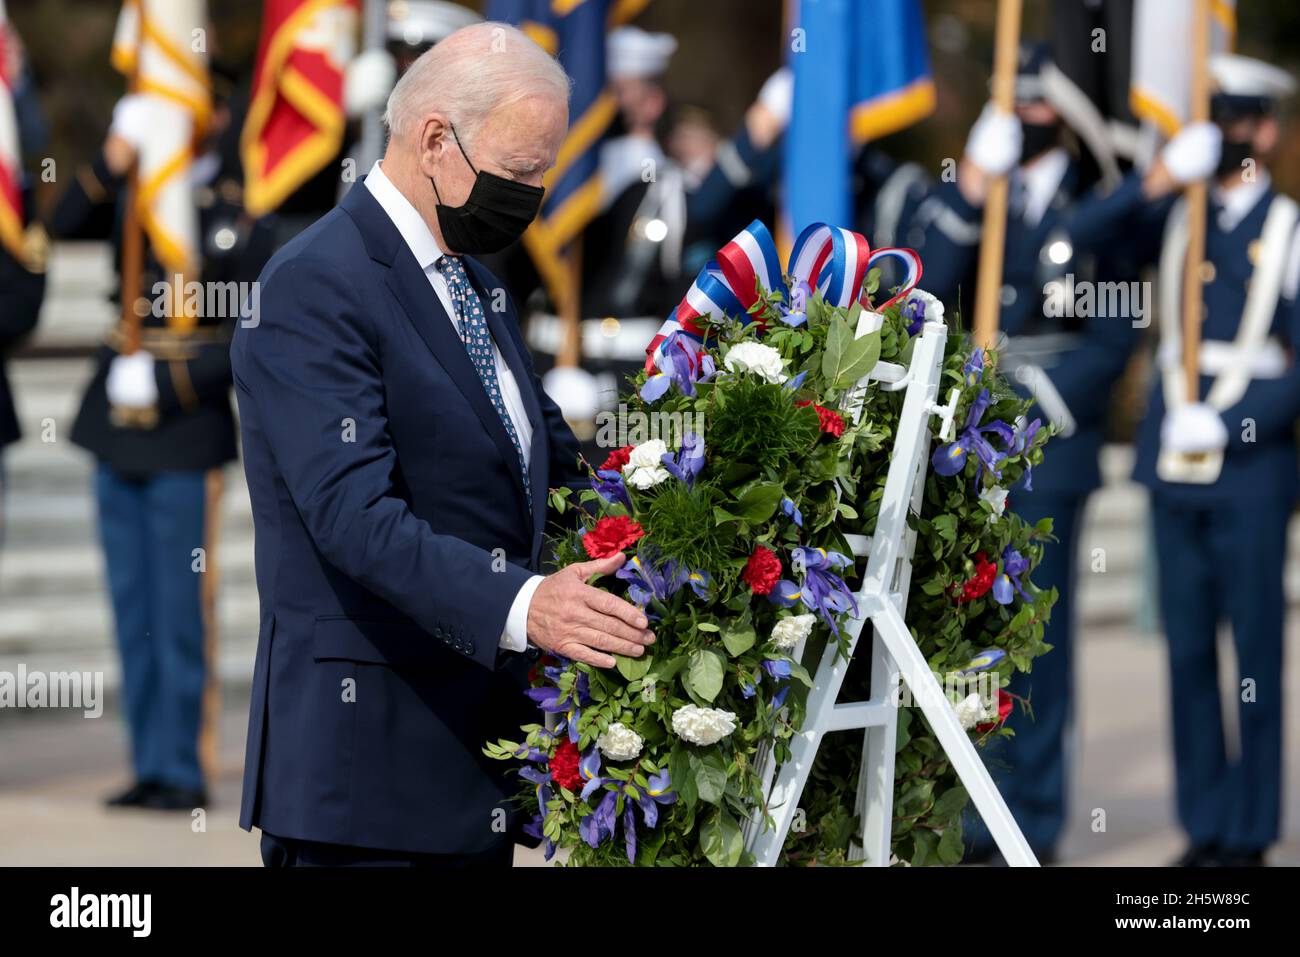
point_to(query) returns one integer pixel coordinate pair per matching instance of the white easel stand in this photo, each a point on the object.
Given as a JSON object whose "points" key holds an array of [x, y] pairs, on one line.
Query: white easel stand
{"points": [[882, 600]]}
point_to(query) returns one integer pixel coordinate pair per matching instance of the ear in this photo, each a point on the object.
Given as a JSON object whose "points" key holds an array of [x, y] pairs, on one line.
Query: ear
{"points": [[434, 139]]}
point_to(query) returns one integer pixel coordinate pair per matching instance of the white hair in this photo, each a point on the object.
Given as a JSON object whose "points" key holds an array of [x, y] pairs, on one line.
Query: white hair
{"points": [[477, 69]]}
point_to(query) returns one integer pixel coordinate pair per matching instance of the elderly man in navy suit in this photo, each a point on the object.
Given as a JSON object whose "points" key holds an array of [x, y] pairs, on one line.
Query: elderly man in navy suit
{"points": [[399, 449]]}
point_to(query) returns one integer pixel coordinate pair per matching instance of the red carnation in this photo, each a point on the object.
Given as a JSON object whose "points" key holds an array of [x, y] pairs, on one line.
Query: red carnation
{"points": [[832, 423], [1006, 704], [979, 583], [612, 534], [762, 571], [615, 461], [564, 766]]}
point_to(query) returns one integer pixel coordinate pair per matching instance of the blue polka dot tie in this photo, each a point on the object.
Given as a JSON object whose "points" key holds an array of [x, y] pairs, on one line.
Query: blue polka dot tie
{"points": [[478, 343]]}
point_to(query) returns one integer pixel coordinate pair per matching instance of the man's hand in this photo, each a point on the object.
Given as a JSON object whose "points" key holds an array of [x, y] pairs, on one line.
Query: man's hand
{"points": [[992, 149], [570, 618], [131, 381], [1192, 429]]}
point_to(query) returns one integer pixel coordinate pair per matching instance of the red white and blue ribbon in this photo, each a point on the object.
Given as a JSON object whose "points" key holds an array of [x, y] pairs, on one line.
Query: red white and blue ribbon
{"points": [[830, 259]]}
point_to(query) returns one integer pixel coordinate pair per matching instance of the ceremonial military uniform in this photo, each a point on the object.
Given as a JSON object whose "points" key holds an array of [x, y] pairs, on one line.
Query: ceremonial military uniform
{"points": [[1221, 515], [1067, 363], [156, 481]]}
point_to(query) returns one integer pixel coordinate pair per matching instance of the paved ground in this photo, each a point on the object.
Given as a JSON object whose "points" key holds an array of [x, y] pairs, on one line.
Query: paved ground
{"points": [[56, 768]]}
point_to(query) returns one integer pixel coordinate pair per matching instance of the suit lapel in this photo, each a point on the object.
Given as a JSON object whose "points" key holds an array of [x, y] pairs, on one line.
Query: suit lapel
{"points": [[410, 287]]}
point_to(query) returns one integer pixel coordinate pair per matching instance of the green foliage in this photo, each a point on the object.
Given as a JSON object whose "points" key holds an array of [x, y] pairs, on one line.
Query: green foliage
{"points": [[766, 458]]}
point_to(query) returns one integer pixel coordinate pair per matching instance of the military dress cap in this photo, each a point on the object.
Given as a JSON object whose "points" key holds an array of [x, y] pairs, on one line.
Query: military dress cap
{"points": [[422, 23], [1032, 62], [1245, 87], [634, 54]]}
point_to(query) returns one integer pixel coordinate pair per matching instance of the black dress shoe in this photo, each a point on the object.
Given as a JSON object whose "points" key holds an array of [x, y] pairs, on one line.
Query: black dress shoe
{"points": [[166, 797], [1200, 855], [134, 796], [1243, 859]]}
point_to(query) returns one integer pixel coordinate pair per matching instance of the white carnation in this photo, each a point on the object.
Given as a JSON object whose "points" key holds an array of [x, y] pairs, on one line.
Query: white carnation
{"points": [[703, 725], [996, 496], [764, 361], [619, 743], [788, 632], [645, 466], [933, 307], [970, 711]]}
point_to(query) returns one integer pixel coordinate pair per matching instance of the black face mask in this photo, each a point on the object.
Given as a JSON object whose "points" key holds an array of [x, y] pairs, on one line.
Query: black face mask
{"points": [[1038, 138], [495, 214], [1233, 157]]}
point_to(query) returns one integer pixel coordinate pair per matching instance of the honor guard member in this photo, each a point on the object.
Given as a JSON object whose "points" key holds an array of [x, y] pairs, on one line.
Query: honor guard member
{"points": [[1221, 465], [1066, 362], [160, 425]]}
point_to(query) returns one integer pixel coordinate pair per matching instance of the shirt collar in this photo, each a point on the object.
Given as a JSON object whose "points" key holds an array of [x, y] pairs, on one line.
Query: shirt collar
{"points": [[1236, 203], [410, 224], [1042, 181]]}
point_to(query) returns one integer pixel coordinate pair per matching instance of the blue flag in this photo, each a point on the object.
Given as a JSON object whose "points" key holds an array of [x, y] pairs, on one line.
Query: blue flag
{"points": [[862, 71], [575, 35]]}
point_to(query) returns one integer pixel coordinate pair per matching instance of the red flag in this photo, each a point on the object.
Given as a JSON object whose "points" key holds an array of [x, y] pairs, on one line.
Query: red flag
{"points": [[295, 117], [11, 203]]}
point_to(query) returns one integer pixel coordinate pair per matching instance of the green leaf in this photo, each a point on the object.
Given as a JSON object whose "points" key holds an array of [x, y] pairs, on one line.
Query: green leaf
{"points": [[846, 359], [710, 777], [950, 845], [949, 804], [708, 626], [633, 668], [759, 503], [703, 677], [720, 839], [738, 636]]}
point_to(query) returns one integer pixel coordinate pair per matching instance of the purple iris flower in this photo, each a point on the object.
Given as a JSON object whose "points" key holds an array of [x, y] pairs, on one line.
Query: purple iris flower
{"points": [[778, 669], [913, 312], [973, 370], [1020, 442], [650, 580], [778, 699], [822, 591], [599, 824], [609, 486], [747, 690], [685, 465], [589, 768], [796, 315], [795, 383], [1013, 566], [629, 833], [658, 792], [792, 511], [681, 362], [951, 458]]}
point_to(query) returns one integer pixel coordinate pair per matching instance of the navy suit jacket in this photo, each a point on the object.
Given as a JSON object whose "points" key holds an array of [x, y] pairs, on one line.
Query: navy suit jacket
{"points": [[392, 535]]}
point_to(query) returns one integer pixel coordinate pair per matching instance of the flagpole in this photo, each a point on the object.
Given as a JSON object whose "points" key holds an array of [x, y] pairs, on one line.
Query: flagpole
{"points": [[374, 29], [988, 282], [1199, 112], [132, 233], [570, 351]]}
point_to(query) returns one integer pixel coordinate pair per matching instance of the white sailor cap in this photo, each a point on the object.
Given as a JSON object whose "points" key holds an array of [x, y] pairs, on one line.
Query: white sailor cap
{"points": [[421, 23], [1244, 86], [635, 54]]}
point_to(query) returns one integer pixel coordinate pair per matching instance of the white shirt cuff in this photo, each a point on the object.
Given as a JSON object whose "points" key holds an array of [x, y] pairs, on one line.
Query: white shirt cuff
{"points": [[515, 637]]}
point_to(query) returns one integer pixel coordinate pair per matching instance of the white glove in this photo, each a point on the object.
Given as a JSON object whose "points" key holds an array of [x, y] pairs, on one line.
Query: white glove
{"points": [[994, 142], [1193, 153], [1193, 428], [131, 381], [367, 80], [133, 119], [777, 95]]}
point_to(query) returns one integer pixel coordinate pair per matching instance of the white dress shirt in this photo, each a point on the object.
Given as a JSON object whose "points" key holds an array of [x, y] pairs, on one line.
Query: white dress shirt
{"points": [[424, 247]]}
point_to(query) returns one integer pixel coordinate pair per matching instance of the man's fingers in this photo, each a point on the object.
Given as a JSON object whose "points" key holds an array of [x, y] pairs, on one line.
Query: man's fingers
{"points": [[614, 607], [607, 625], [603, 641], [580, 652], [600, 566]]}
